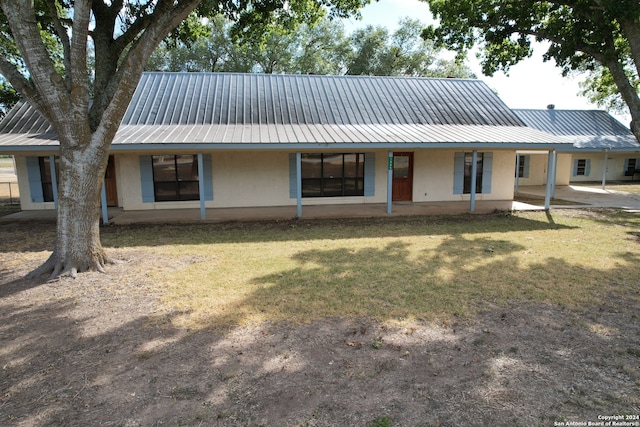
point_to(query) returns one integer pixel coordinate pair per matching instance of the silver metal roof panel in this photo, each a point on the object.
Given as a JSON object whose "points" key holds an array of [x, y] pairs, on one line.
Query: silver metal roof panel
{"points": [[227, 108], [588, 129]]}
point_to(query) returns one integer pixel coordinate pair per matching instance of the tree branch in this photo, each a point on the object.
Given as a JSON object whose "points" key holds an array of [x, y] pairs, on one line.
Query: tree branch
{"points": [[24, 27], [61, 31], [78, 57]]}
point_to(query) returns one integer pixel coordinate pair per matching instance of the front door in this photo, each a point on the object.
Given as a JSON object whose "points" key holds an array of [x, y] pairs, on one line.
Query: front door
{"points": [[402, 177], [110, 183]]}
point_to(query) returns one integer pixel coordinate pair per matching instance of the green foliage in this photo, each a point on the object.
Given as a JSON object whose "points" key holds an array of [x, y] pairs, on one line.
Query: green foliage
{"points": [[320, 48], [600, 88], [601, 37], [8, 97]]}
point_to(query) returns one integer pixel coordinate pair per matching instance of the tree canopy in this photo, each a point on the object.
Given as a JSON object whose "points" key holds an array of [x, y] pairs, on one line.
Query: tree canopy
{"points": [[313, 48], [598, 36]]}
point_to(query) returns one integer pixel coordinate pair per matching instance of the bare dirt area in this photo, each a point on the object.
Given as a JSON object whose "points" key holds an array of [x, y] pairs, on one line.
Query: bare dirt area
{"points": [[102, 352]]}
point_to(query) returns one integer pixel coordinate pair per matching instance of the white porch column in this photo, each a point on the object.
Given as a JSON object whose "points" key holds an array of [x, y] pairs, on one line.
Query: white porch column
{"points": [[550, 179], [517, 170], [203, 211], [604, 169], [103, 203], [299, 185], [389, 182], [474, 179]]}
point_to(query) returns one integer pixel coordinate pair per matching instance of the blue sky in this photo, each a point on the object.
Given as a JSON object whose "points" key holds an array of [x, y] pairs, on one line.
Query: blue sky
{"points": [[531, 84]]}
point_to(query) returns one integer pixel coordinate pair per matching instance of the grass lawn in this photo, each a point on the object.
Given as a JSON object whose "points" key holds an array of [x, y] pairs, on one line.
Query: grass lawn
{"points": [[529, 319], [6, 162], [393, 269]]}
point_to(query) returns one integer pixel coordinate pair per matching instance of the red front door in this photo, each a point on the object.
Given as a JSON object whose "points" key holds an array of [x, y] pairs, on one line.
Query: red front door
{"points": [[402, 177], [110, 186]]}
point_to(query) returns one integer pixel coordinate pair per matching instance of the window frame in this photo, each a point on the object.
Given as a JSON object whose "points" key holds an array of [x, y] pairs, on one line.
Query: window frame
{"points": [[317, 182], [468, 167], [179, 184], [581, 167], [46, 181]]}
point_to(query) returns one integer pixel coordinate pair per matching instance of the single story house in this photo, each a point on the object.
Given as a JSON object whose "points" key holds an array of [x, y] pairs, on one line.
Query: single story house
{"points": [[217, 140], [603, 149]]}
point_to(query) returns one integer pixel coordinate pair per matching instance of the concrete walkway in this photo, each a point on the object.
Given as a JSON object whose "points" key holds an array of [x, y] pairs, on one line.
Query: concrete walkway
{"points": [[584, 197], [577, 196]]}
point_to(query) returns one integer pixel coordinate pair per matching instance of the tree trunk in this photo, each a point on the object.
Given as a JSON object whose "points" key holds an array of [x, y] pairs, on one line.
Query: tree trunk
{"points": [[77, 246], [627, 92]]}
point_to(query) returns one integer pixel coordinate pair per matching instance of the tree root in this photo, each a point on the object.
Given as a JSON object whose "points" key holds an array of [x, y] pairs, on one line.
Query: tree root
{"points": [[59, 269]]}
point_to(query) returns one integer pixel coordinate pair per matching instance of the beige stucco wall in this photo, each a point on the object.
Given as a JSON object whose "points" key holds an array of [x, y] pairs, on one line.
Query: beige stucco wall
{"points": [[246, 179], [538, 169], [433, 176], [614, 166], [23, 185]]}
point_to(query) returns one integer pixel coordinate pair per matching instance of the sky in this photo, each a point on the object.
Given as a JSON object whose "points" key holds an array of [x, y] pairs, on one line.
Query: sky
{"points": [[532, 83]]}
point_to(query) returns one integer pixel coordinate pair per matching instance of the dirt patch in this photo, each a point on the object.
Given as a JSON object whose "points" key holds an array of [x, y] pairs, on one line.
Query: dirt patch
{"points": [[102, 351]]}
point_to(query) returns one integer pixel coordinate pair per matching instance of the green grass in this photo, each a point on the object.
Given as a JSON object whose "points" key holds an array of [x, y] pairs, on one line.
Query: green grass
{"points": [[6, 162], [391, 269]]}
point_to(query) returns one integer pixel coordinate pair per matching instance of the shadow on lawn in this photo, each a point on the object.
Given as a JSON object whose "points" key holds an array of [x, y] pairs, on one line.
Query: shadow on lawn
{"points": [[304, 230], [40, 236], [525, 363], [98, 357]]}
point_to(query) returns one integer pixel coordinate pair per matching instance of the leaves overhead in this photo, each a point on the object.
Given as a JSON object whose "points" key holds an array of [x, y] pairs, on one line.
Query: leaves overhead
{"points": [[320, 48], [600, 36]]}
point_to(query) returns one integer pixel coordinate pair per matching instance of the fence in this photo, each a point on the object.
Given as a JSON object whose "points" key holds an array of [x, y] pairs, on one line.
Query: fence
{"points": [[9, 193]]}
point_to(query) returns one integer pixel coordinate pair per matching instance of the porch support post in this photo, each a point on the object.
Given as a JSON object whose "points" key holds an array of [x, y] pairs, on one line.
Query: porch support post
{"points": [[555, 174], [604, 169], [298, 184], [389, 182], [474, 178], [517, 170], [203, 211], [54, 180], [103, 203], [550, 179]]}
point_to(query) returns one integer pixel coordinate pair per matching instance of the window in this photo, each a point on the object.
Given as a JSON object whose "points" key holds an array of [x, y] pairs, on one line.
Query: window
{"points": [[468, 165], [332, 175], [632, 164], [175, 178], [523, 166], [46, 177], [581, 167]]}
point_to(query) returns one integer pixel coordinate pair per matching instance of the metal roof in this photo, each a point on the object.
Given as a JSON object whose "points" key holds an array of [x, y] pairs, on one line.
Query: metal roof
{"points": [[589, 129], [267, 109]]}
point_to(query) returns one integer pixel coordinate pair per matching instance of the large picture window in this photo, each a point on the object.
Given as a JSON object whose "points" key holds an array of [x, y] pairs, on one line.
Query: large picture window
{"points": [[175, 178], [468, 168], [332, 175]]}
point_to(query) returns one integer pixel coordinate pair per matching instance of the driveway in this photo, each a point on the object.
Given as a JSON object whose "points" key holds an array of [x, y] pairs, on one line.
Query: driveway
{"points": [[583, 196]]}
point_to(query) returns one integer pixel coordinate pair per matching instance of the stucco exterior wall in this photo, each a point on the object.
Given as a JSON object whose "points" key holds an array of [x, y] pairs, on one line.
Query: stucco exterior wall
{"points": [[433, 176], [538, 164], [614, 167], [26, 203], [247, 179]]}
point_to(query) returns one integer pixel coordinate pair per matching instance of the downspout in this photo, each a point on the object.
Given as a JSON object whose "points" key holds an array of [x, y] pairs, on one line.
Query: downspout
{"points": [[203, 211], [474, 171], [389, 182]]}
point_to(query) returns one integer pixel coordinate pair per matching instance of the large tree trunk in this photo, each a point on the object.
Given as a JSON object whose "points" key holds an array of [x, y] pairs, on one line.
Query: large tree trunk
{"points": [[77, 247]]}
